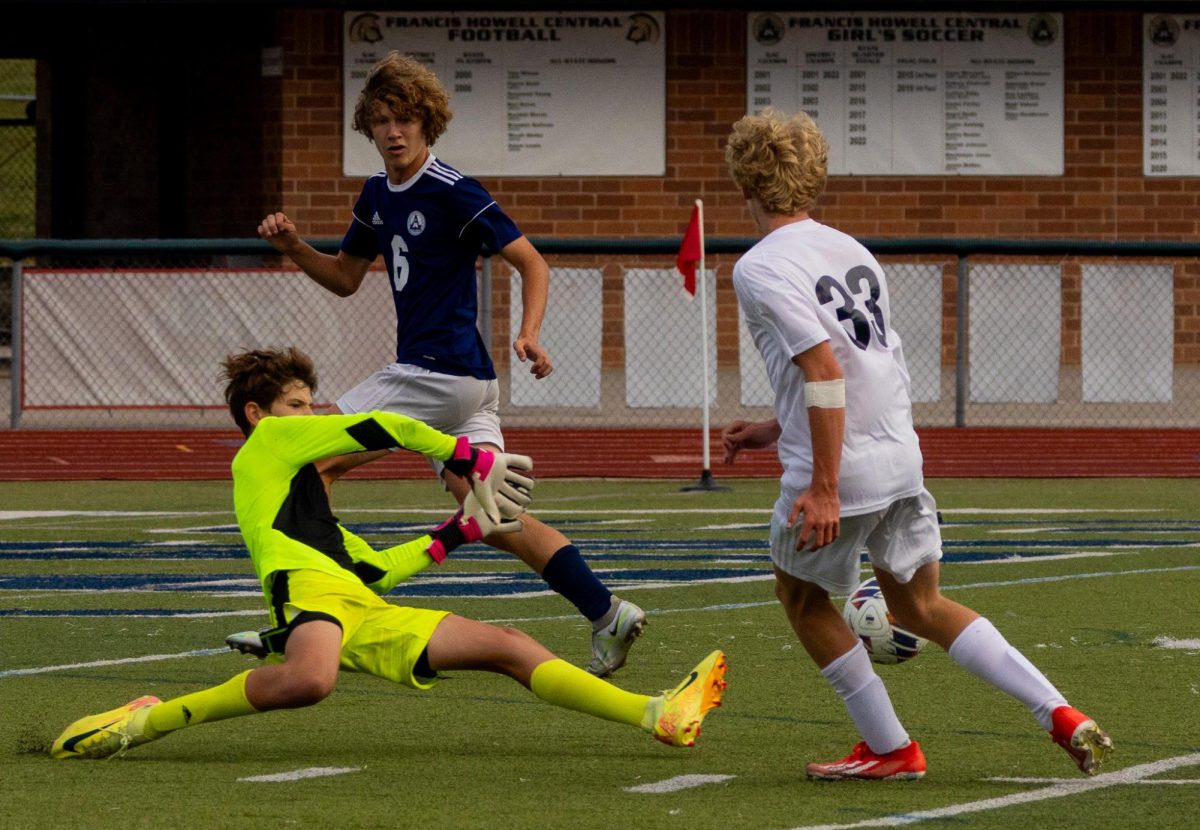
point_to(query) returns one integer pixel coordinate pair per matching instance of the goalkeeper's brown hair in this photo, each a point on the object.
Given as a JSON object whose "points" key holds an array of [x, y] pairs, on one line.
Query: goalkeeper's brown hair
{"points": [[409, 89], [779, 160], [260, 375]]}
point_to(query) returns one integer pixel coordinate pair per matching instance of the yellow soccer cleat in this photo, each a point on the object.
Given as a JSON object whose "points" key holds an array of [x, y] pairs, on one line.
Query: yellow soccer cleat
{"points": [[684, 707], [99, 736]]}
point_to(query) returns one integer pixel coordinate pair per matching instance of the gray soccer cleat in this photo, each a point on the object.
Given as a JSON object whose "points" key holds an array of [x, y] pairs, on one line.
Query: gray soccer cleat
{"points": [[612, 640], [247, 642]]}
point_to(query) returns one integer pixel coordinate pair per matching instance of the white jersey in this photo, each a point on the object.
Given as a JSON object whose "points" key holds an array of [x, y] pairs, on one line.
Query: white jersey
{"points": [[803, 284]]}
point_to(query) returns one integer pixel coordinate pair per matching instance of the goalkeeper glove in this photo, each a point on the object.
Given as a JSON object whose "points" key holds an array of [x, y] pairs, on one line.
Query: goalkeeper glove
{"points": [[470, 523], [492, 474]]}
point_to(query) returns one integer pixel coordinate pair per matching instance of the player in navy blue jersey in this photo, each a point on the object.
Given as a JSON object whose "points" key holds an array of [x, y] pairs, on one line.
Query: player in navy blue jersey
{"points": [[431, 223]]}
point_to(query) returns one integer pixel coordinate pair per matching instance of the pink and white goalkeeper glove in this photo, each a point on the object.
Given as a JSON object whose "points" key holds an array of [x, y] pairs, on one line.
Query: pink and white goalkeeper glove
{"points": [[494, 474], [470, 523]]}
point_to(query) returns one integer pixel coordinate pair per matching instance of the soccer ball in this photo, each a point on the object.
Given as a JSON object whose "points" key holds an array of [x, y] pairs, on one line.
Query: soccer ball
{"points": [[867, 615]]}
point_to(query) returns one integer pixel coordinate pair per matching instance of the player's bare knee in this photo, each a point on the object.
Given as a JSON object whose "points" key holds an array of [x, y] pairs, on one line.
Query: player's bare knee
{"points": [[800, 598], [514, 640], [916, 615], [308, 690], [520, 654], [788, 592]]}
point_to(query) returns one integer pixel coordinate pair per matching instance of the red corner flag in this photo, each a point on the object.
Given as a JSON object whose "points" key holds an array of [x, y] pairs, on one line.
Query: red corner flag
{"points": [[690, 252]]}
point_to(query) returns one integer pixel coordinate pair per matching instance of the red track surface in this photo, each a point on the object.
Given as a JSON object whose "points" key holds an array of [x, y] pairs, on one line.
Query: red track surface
{"points": [[70, 455]]}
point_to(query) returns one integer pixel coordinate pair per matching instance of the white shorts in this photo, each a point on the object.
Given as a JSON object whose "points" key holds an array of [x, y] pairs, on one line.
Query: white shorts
{"points": [[899, 539], [453, 404]]}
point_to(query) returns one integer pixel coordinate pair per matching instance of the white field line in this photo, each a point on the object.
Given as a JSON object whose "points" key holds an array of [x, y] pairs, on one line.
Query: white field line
{"points": [[299, 774], [1184, 645], [149, 658], [1129, 775], [679, 782], [1034, 580], [11, 515], [1144, 781], [1019, 530], [1044, 511], [1053, 557]]}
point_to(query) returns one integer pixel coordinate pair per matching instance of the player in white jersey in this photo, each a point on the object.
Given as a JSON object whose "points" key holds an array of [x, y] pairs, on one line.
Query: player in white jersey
{"points": [[430, 223], [817, 304]]}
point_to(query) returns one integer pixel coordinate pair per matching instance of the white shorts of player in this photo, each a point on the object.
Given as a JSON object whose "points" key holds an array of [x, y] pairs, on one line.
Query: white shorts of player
{"points": [[899, 539], [455, 405]]}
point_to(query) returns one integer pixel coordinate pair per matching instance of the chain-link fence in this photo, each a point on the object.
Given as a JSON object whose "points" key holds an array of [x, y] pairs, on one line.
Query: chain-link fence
{"points": [[122, 336], [18, 177]]}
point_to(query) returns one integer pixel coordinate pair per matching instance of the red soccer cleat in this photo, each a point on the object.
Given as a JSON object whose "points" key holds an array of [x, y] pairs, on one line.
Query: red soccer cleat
{"points": [[1084, 741], [862, 764]]}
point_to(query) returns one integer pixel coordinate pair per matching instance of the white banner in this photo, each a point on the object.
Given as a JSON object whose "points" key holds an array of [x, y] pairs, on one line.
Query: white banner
{"points": [[571, 334], [664, 364], [156, 339], [755, 385], [1016, 326], [915, 294], [566, 93], [918, 93], [1171, 95], [1128, 332]]}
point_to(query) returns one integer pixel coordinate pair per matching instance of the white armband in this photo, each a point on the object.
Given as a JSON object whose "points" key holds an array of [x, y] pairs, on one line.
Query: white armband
{"points": [[827, 394]]}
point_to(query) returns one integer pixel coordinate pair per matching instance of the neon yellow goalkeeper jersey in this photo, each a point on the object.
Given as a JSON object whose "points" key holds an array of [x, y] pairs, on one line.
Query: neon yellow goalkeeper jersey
{"points": [[280, 500]]}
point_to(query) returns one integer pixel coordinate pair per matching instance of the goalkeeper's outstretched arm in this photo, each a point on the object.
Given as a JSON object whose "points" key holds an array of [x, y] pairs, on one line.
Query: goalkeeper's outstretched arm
{"points": [[383, 570]]}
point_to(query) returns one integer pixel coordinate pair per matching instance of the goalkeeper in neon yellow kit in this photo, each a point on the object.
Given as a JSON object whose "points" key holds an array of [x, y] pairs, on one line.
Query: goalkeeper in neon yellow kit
{"points": [[323, 584]]}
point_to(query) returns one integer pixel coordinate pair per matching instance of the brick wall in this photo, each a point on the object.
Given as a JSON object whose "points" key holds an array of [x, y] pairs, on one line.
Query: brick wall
{"points": [[1102, 194]]}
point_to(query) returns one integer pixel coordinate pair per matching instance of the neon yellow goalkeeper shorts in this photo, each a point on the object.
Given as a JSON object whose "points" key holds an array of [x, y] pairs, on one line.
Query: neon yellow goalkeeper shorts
{"points": [[377, 637]]}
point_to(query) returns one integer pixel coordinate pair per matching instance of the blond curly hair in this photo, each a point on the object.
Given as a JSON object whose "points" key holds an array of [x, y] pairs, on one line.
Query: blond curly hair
{"points": [[408, 88], [779, 160]]}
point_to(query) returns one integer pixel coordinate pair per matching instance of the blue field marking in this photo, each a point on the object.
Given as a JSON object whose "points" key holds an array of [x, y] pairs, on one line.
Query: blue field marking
{"points": [[644, 558], [1122, 523], [196, 612], [595, 550], [445, 584], [151, 551], [109, 583]]}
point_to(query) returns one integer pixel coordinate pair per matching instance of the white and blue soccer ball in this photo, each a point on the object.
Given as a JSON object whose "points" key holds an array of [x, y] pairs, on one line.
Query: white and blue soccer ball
{"points": [[866, 613]]}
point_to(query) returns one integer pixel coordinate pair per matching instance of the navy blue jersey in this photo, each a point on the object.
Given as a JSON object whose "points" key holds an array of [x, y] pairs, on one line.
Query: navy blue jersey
{"points": [[430, 231]]}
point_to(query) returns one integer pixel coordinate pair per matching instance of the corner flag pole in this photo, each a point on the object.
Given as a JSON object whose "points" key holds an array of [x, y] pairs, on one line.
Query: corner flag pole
{"points": [[706, 479]]}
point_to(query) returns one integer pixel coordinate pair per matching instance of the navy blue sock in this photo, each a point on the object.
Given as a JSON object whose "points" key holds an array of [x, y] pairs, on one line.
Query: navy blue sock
{"points": [[569, 575]]}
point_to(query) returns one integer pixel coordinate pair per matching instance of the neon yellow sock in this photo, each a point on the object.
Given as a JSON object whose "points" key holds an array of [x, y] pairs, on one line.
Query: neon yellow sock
{"points": [[558, 682], [225, 701]]}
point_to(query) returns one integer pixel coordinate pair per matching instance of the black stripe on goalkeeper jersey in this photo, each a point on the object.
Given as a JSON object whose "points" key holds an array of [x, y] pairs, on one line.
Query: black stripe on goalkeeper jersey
{"points": [[305, 516], [372, 435]]}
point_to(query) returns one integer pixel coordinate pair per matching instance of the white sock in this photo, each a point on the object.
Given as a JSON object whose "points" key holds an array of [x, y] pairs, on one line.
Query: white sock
{"points": [[867, 701], [983, 651]]}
